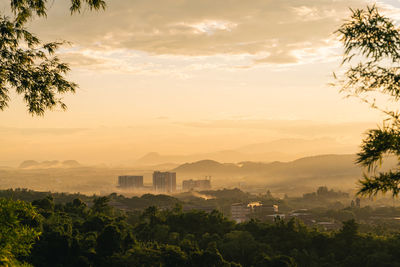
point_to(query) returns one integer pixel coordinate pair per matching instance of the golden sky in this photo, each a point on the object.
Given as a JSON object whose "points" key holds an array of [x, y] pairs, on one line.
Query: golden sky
{"points": [[190, 76]]}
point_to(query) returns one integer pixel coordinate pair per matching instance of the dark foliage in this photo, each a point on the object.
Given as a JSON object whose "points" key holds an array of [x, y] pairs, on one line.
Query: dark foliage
{"points": [[74, 234], [29, 66], [373, 42]]}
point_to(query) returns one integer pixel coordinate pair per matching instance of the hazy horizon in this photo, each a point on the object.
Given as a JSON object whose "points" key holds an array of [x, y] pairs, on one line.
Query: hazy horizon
{"points": [[126, 145]]}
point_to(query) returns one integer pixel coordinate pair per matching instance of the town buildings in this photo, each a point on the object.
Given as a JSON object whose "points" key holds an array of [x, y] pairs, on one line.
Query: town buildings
{"points": [[130, 182], [239, 212], [242, 212], [188, 185], [163, 182]]}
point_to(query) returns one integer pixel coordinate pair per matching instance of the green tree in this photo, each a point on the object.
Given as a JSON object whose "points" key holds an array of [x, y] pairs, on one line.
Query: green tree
{"points": [[109, 241], [17, 234], [372, 62], [29, 66], [240, 246], [349, 231], [100, 204], [45, 204]]}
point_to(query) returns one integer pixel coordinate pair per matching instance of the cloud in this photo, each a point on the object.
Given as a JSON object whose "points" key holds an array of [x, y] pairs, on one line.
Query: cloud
{"points": [[80, 59], [278, 57], [273, 31]]}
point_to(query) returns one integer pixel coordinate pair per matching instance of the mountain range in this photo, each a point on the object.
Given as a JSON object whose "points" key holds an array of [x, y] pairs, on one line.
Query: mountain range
{"points": [[338, 171], [279, 150], [32, 164], [294, 177], [308, 166]]}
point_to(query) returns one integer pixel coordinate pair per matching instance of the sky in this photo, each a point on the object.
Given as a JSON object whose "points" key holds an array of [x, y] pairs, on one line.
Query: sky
{"points": [[190, 76]]}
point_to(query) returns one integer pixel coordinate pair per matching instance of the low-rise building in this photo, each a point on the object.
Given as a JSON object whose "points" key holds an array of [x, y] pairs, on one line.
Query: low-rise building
{"points": [[328, 226], [207, 209], [265, 209], [188, 185], [255, 210], [240, 212], [304, 215]]}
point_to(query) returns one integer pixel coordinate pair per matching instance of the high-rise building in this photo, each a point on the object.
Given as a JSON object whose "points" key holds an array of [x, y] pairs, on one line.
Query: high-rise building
{"points": [[130, 181], [164, 181]]}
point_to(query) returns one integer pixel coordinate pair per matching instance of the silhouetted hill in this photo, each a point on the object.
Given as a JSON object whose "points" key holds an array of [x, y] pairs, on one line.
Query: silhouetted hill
{"points": [[208, 166], [333, 164], [296, 146], [71, 163], [292, 177], [28, 164], [154, 158], [331, 170], [281, 150], [151, 158], [32, 164]]}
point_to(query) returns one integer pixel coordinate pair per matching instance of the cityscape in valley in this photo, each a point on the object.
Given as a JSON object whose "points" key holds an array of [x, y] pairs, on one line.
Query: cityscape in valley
{"points": [[260, 191], [163, 182], [199, 133]]}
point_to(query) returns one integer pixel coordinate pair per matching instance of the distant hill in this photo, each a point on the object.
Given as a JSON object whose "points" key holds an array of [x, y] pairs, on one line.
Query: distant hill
{"points": [[28, 164], [315, 165], [278, 150], [337, 171], [5, 168], [292, 177], [208, 166], [155, 158], [71, 164], [32, 164], [296, 146]]}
